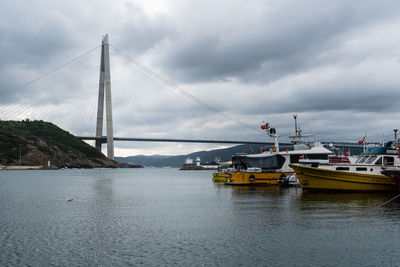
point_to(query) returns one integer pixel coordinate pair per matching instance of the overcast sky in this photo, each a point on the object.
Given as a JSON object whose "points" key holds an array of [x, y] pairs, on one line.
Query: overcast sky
{"points": [[334, 63]]}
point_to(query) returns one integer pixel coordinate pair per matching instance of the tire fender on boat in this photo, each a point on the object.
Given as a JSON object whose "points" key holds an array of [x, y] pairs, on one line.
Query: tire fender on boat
{"points": [[282, 179]]}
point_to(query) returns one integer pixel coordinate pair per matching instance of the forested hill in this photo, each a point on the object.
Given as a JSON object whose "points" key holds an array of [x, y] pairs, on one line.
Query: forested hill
{"points": [[205, 156], [39, 142], [177, 161]]}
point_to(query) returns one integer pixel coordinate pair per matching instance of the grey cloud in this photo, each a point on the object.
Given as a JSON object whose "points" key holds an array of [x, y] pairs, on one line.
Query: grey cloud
{"points": [[270, 45], [140, 33], [262, 60]]}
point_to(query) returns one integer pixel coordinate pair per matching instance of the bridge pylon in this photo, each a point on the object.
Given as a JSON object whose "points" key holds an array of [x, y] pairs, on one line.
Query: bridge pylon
{"points": [[105, 83]]}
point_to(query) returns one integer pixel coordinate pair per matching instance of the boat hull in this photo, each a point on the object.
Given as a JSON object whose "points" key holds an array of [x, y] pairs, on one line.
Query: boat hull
{"points": [[220, 177], [255, 178], [394, 175], [317, 179]]}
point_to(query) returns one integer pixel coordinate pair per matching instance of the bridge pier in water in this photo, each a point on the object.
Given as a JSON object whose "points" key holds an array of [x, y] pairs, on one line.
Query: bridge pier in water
{"points": [[105, 83]]}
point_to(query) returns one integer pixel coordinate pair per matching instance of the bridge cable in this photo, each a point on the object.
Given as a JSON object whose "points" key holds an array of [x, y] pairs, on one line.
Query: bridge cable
{"points": [[42, 76], [180, 90], [190, 127], [60, 67]]}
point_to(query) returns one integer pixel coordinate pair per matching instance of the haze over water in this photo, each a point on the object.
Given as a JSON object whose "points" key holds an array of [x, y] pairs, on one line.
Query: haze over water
{"points": [[154, 217]]}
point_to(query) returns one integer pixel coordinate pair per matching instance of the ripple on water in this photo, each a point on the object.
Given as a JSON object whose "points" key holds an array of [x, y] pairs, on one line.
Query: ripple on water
{"points": [[166, 217]]}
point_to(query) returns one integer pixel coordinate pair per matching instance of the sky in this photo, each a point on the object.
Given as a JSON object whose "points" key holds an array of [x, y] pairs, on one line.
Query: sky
{"points": [[334, 63]]}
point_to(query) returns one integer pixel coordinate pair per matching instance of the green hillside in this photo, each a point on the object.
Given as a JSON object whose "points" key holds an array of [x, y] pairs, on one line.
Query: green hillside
{"points": [[39, 142]]}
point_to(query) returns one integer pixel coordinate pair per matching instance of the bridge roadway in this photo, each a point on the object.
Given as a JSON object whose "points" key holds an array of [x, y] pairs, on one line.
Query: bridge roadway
{"points": [[103, 139]]}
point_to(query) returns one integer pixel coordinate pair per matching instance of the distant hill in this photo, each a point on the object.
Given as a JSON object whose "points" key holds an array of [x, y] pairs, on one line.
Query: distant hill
{"points": [[205, 156], [38, 142], [177, 161]]}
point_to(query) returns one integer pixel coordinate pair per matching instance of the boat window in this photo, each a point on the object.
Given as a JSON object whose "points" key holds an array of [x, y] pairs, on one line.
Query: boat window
{"points": [[388, 161], [296, 157], [361, 160], [364, 169], [370, 160], [342, 168], [379, 161]]}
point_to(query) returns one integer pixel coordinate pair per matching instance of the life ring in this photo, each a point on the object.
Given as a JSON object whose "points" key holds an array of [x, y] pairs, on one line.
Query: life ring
{"points": [[283, 180]]}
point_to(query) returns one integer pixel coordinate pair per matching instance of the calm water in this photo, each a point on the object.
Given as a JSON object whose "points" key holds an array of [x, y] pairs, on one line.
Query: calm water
{"points": [[158, 217]]}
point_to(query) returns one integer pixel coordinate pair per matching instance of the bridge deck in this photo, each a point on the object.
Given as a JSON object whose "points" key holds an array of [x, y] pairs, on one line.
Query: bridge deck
{"points": [[103, 139]]}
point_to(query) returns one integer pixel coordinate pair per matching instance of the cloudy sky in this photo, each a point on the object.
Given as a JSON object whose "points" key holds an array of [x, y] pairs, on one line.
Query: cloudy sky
{"points": [[334, 63]]}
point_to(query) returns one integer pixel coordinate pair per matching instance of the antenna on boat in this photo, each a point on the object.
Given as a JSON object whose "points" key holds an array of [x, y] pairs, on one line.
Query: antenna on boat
{"points": [[297, 137], [297, 131], [395, 137], [272, 133], [363, 142]]}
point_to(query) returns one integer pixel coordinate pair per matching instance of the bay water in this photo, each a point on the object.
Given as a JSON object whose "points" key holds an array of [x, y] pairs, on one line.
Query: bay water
{"points": [[167, 217]]}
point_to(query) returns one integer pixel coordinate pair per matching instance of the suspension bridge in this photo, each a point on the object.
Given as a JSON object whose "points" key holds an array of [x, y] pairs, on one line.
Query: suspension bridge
{"points": [[104, 106]]}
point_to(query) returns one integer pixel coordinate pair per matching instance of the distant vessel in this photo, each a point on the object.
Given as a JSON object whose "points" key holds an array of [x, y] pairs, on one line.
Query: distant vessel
{"points": [[224, 172], [189, 165], [272, 167], [364, 175]]}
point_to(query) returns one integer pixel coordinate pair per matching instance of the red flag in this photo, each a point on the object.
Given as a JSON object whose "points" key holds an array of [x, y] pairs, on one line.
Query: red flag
{"points": [[362, 141], [264, 127]]}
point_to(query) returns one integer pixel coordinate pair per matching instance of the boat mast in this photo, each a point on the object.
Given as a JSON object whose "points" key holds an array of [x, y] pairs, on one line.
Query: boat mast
{"points": [[272, 133], [295, 124], [297, 131]]}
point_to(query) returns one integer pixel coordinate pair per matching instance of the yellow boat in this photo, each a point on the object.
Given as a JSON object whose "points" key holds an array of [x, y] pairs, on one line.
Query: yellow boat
{"points": [[319, 179], [223, 172], [272, 167], [256, 178], [363, 175], [220, 177]]}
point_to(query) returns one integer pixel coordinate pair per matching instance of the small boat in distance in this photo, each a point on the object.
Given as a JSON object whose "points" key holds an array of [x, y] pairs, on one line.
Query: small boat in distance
{"points": [[224, 171]]}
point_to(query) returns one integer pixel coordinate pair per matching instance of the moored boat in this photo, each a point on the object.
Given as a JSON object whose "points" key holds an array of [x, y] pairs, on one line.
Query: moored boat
{"points": [[220, 177], [319, 179], [272, 167], [364, 175], [223, 172]]}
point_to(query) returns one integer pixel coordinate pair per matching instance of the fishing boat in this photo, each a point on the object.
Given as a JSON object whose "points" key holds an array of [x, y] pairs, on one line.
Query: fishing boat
{"points": [[272, 167], [224, 171], [364, 175]]}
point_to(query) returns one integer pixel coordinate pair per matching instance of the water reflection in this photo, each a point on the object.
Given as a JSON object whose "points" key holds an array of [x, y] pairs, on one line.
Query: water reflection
{"points": [[341, 205], [345, 197], [100, 225]]}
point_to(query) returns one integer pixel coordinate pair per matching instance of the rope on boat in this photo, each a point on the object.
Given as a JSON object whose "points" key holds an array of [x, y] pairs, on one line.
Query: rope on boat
{"points": [[389, 201]]}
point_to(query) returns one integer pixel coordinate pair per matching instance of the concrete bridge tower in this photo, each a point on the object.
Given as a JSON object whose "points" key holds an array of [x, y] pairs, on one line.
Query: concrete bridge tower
{"points": [[105, 82]]}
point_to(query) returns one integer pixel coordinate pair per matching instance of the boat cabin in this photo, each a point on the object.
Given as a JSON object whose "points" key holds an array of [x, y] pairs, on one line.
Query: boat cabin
{"points": [[280, 161], [372, 161], [386, 156]]}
